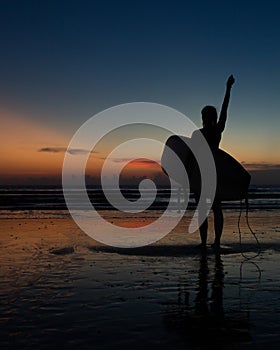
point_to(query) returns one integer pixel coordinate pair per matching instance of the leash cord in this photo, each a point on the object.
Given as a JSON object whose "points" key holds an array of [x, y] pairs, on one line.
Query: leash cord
{"points": [[250, 229]]}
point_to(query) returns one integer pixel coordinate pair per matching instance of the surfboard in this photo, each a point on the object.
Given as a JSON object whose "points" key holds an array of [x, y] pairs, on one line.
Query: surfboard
{"points": [[169, 163], [232, 179]]}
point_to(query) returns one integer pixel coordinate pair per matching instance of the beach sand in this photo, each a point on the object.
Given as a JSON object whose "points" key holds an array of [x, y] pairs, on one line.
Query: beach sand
{"points": [[59, 287]]}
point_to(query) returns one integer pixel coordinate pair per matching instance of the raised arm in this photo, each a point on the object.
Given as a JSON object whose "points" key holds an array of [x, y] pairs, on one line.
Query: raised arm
{"points": [[223, 113]]}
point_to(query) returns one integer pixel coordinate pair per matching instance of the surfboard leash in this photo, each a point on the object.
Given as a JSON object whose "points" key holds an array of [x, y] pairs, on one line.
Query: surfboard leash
{"points": [[250, 229]]}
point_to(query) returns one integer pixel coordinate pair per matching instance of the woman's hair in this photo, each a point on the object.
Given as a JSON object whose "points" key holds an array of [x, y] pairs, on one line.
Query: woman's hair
{"points": [[209, 115]]}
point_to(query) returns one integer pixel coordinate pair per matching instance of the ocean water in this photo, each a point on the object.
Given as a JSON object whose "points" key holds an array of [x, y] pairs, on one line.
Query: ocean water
{"points": [[52, 198]]}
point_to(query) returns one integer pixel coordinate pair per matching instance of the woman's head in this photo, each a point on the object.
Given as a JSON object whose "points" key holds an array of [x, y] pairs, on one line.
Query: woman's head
{"points": [[209, 116]]}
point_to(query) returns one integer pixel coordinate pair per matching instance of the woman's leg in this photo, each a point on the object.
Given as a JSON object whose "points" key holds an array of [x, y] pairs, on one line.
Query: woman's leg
{"points": [[203, 232], [204, 226], [218, 221]]}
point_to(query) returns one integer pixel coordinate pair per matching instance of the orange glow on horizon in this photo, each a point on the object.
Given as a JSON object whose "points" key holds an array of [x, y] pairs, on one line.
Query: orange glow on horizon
{"points": [[22, 140], [143, 163], [30, 149]]}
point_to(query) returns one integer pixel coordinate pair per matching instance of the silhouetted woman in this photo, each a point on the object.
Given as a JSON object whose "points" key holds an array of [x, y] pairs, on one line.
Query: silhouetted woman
{"points": [[212, 131]]}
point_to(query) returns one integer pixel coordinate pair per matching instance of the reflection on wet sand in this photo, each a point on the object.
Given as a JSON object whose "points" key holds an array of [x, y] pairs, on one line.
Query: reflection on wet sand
{"points": [[59, 288], [204, 323]]}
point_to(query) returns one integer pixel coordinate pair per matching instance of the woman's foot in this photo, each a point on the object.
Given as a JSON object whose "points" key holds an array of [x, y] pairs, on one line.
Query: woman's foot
{"points": [[216, 246], [201, 246]]}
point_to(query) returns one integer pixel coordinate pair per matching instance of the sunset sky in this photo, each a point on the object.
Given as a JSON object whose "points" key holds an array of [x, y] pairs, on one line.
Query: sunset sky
{"points": [[64, 61]]}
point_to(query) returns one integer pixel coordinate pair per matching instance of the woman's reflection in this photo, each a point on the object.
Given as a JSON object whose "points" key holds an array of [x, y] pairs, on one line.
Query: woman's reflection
{"points": [[205, 323]]}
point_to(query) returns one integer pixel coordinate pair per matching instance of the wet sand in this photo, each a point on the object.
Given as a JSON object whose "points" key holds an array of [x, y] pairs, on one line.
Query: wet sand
{"points": [[61, 288]]}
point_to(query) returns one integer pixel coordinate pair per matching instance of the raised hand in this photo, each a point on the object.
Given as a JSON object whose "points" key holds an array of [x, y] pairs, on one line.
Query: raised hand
{"points": [[230, 81]]}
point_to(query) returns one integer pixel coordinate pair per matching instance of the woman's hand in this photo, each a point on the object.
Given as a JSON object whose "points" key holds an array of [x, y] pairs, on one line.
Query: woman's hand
{"points": [[230, 81]]}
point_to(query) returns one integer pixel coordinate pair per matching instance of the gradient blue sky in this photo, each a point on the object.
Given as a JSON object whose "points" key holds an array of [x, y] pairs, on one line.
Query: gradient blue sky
{"points": [[63, 61]]}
